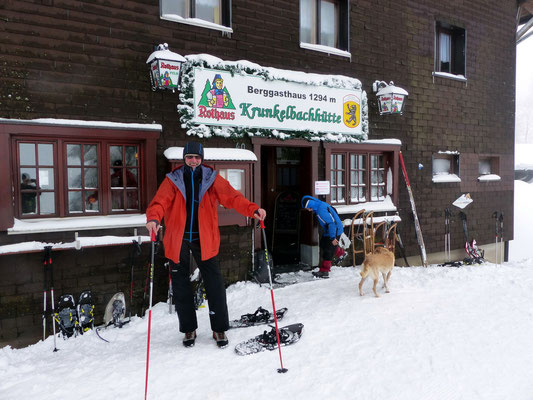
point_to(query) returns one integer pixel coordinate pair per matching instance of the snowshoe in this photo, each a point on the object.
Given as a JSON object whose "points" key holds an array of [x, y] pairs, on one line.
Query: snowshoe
{"points": [[268, 341], [451, 264], [260, 316], [115, 311], [67, 316], [85, 311], [199, 294]]}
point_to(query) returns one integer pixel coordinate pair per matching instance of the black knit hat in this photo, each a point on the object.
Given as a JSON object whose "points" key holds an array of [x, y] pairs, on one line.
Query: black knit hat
{"points": [[193, 148]]}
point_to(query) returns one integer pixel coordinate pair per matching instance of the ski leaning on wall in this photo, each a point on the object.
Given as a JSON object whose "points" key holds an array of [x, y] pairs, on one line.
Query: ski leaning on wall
{"points": [[419, 237]]}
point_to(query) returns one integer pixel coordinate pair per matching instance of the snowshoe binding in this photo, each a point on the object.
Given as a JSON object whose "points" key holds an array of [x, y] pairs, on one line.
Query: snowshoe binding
{"points": [[85, 311], [268, 341], [67, 316], [260, 316]]}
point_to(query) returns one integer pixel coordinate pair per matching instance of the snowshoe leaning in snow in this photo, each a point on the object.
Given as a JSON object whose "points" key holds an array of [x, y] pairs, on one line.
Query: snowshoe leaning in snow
{"points": [[85, 311], [115, 311], [267, 340], [67, 316], [260, 316], [114, 315]]}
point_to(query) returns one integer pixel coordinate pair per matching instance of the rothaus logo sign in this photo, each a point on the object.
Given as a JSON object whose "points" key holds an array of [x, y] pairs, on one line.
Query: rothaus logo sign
{"points": [[250, 101]]}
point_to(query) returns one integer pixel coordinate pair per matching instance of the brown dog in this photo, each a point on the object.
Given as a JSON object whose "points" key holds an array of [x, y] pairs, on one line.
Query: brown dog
{"points": [[380, 261]]}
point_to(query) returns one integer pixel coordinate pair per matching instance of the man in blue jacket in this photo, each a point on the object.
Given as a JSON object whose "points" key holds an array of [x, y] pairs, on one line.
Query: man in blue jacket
{"points": [[332, 229]]}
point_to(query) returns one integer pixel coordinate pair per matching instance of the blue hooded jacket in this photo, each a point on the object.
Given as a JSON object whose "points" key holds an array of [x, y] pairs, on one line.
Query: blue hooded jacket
{"points": [[327, 216]]}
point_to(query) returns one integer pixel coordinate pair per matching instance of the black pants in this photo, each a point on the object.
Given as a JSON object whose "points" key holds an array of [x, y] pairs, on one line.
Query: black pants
{"points": [[327, 248], [214, 289]]}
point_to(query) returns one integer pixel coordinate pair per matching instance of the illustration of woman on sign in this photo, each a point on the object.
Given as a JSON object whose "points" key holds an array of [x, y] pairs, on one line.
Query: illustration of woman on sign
{"points": [[216, 96], [166, 79]]}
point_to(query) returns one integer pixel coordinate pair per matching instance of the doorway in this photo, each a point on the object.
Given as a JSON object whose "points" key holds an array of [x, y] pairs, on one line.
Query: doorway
{"points": [[286, 176]]}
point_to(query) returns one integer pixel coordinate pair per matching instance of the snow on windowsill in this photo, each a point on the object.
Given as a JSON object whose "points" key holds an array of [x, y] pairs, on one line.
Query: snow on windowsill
{"points": [[214, 154], [376, 206], [451, 152], [196, 22], [43, 225], [489, 178], [445, 178], [461, 78], [326, 49], [82, 242], [377, 220]]}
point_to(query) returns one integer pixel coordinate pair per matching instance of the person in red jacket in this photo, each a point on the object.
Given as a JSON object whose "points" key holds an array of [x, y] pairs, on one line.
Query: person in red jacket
{"points": [[187, 200]]}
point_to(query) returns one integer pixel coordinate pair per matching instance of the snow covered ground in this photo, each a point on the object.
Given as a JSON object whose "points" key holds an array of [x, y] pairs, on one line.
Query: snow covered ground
{"points": [[523, 222], [442, 333]]}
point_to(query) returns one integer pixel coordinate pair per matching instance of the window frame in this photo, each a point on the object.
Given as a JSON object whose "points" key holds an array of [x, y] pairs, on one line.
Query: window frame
{"points": [[457, 52], [390, 159], [454, 170], [191, 19], [89, 131], [227, 216], [342, 31], [61, 185]]}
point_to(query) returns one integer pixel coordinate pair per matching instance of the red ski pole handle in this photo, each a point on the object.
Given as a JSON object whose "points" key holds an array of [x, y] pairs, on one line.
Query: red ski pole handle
{"points": [[262, 224], [154, 236], [403, 169]]}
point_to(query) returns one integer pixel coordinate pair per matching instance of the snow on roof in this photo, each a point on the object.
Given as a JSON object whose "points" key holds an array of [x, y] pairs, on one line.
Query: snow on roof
{"points": [[335, 81], [77, 223], [453, 152], [377, 220], [82, 242], [214, 154], [522, 157], [165, 54], [396, 142], [377, 206], [81, 123]]}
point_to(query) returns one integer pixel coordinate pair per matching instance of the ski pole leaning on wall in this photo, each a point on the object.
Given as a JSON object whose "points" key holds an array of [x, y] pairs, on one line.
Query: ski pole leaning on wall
{"points": [[418, 230]]}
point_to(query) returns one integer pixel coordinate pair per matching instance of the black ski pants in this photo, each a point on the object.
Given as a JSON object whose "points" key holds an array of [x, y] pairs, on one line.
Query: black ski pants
{"points": [[214, 289], [328, 248]]}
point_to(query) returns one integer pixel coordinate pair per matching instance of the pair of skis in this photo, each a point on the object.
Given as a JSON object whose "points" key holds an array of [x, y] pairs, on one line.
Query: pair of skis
{"points": [[498, 219], [447, 242], [475, 254]]}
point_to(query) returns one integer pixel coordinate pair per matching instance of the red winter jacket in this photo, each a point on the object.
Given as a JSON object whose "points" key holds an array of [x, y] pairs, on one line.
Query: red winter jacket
{"points": [[169, 203]]}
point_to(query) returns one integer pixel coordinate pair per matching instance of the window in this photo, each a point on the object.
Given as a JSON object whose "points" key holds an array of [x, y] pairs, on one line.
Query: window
{"points": [[446, 167], [81, 184], [488, 169], [450, 49], [212, 11], [324, 22], [36, 176], [366, 177]]}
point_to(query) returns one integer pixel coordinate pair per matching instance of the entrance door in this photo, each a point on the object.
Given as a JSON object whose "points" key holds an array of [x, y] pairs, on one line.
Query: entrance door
{"points": [[286, 177]]}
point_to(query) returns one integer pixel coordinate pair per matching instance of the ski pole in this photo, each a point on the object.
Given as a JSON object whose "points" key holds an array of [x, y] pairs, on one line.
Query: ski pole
{"points": [[502, 255], [170, 293], [496, 258], [45, 288], [267, 258], [418, 230], [154, 238], [48, 251], [135, 252]]}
